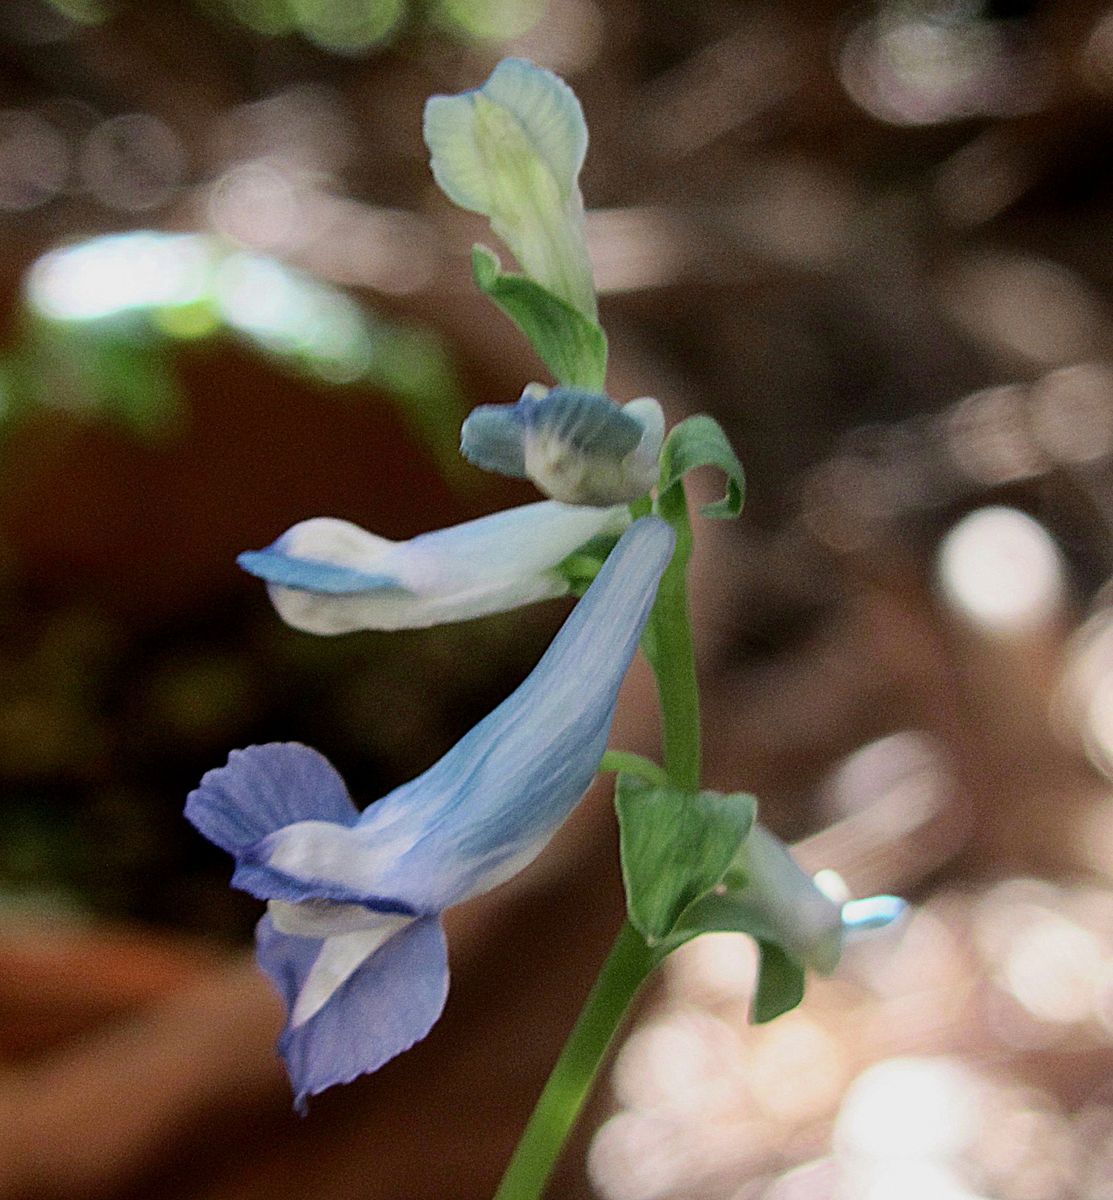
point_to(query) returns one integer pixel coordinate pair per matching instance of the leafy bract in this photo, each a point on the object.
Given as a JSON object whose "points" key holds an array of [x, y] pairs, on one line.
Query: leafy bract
{"points": [[780, 978], [780, 983], [676, 847], [764, 893], [570, 344], [699, 441]]}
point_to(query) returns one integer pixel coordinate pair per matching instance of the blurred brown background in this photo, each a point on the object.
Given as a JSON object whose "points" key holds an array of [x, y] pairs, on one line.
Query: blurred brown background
{"points": [[873, 240]]}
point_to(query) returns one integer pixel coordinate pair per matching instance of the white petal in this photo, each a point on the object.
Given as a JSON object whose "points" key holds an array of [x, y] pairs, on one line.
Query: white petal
{"points": [[648, 413], [512, 150], [341, 543], [320, 918], [339, 958], [346, 579], [329, 853]]}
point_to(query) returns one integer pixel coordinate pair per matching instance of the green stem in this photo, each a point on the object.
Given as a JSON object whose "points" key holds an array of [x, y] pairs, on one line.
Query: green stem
{"points": [[626, 968], [670, 648]]}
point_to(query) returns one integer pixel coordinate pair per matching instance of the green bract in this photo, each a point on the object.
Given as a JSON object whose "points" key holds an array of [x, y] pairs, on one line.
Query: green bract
{"points": [[767, 895], [780, 983], [571, 345], [695, 862], [512, 150], [700, 441], [676, 847], [780, 977]]}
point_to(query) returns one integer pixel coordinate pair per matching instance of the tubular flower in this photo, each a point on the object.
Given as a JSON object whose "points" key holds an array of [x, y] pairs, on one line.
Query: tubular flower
{"points": [[576, 446], [512, 150], [352, 937], [329, 576]]}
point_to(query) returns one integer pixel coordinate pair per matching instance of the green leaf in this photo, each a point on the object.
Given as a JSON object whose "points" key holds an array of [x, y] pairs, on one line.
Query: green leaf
{"points": [[115, 372], [676, 847], [700, 441], [571, 345], [780, 983]]}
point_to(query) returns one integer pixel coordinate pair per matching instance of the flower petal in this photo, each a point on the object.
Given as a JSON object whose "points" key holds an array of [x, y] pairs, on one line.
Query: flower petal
{"points": [[328, 576], [488, 807], [384, 998], [512, 150], [491, 438], [311, 861], [264, 788], [577, 446], [321, 918], [544, 108], [784, 904], [585, 421]]}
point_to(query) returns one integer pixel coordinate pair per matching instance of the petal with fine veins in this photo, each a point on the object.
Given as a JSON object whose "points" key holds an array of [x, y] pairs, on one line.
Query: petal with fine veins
{"points": [[382, 1002], [577, 446], [264, 788]]}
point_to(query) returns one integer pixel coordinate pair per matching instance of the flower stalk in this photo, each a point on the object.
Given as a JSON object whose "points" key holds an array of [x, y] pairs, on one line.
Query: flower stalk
{"points": [[560, 1103]]}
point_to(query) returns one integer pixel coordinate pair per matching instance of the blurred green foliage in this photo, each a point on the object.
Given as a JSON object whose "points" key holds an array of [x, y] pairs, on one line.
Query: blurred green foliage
{"points": [[349, 27], [103, 317]]}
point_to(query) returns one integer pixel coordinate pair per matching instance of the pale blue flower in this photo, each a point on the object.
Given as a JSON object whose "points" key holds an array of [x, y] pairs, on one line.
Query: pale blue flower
{"points": [[576, 446], [352, 937], [512, 150], [807, 916], [329, 576], [770, 896]]}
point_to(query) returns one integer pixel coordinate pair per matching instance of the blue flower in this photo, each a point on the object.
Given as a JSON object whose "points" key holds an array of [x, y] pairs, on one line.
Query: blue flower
{"points": [[352, 937], [576, 446], [329, 576]]}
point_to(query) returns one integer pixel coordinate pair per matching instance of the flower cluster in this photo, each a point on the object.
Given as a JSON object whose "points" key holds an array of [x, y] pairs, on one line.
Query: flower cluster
{"points": [[352, 937]]}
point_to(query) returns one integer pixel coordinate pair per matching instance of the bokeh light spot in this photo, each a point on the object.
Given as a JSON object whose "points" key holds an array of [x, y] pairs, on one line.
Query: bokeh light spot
{"points": [[109, 275], [82, 12], [132, 162], [1001, 570], [347, 26], [1072, 412], [257, 205], [497, 19], [909, 1108], [269, 17], [988, 437]]}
